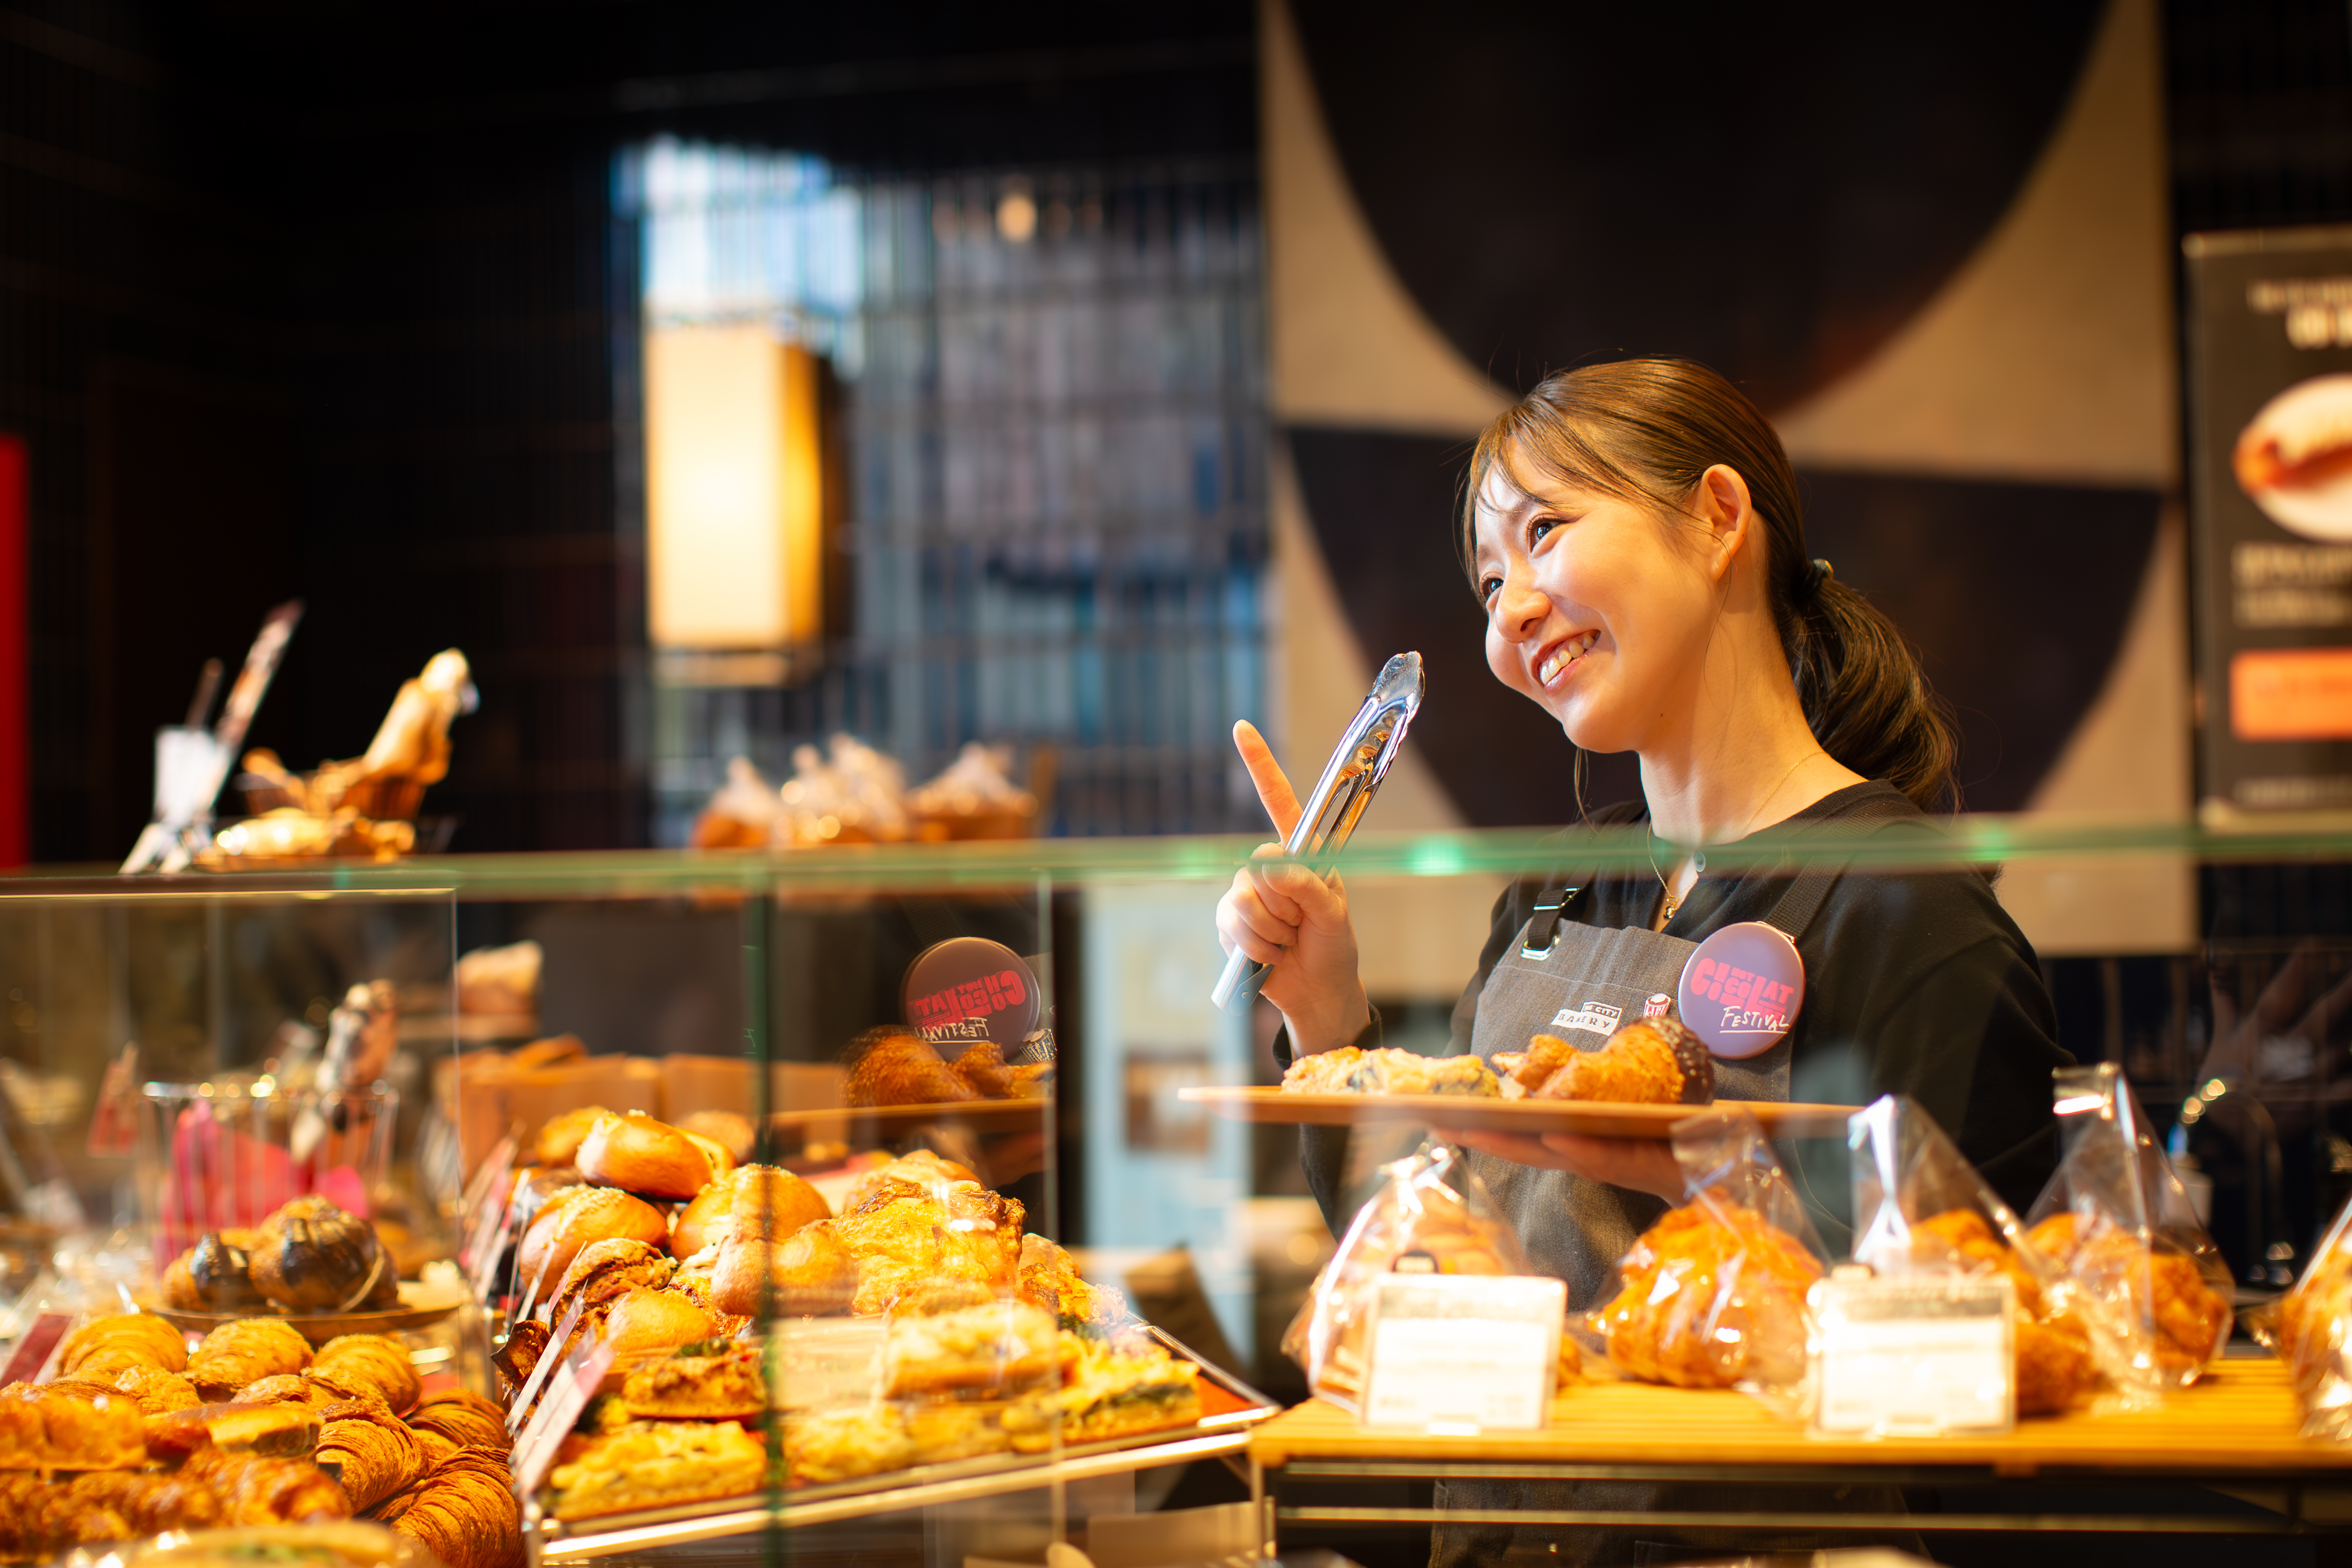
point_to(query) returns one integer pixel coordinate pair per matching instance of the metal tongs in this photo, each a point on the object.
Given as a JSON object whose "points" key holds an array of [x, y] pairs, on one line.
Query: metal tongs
{"points": [[1349, 780]]}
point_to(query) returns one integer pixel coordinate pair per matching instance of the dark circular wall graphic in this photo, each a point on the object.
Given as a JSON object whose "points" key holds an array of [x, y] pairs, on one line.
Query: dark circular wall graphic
{"points": [[1770, 189]]}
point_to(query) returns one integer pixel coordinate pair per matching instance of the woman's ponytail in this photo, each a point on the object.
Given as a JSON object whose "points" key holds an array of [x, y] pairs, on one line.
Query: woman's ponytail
{"points": [[1644, 430]]}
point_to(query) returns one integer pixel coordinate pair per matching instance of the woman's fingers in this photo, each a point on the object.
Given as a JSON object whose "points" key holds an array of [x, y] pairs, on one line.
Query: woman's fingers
{"points": [[1274, 791], [1641, 1164]]}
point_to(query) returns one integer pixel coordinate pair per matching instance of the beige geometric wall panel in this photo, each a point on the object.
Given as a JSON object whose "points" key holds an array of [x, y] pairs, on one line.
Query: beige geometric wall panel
{"points": [[1349, 344], [2049, 355]]}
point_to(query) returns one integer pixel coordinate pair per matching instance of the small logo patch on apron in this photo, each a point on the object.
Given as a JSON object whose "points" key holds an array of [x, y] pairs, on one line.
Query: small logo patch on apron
{"points": [[1593, 1017]]}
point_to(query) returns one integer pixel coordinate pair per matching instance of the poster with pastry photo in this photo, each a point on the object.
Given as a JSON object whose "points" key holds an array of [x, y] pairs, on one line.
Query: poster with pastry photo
{"points": [[2270, 501]]}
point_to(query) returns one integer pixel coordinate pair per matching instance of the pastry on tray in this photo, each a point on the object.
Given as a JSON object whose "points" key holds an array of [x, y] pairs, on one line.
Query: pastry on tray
{"points": [[245, 1351], [652, 1464], [1651, 1061], [70, 1426], [1049, 1279], [376, 1453], [652, 1159], [715, 1379], [963, 1233], [1113, 1388], [311, 1256], [996, 1348], [464, 1509], [1389, 1071], [2055, 1367], [2165, 1288], [896, 1066]]}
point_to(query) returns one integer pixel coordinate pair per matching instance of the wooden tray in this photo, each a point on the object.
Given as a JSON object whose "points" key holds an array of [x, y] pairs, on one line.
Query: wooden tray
{"points": [[1471, 1113], [419, 1305], [982, 1115]]}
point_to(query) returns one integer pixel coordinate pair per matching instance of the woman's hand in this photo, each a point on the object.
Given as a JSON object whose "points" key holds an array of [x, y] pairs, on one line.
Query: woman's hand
{"points": [[1282, 914], [1638, 1164]]}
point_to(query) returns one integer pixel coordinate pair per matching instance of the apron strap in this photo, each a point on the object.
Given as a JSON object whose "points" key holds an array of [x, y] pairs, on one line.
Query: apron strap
{"points": [[1805, 896], [1543, 925]]}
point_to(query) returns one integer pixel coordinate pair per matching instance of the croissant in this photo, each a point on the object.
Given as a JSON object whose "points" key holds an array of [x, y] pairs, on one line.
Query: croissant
{"points": [[379, 1454], [466, 1420], [376, 1362], [244, 1351], [158, 1393], [465, 1510], [256, 1490], [39, 1520], [69, 1426], [152, 1340], [147, 1502], [891, 1067]]}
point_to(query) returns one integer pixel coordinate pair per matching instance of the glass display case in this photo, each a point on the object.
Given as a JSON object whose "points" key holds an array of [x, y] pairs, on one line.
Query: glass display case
{"points": [[1032, 1014]]}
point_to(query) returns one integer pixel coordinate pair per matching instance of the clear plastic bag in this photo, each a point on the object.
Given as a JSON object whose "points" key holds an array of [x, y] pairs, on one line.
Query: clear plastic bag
{"points": [[1920, 1208], [2130, 1255], [2310, 1329], [1713, 1294], [1432, 1216]]}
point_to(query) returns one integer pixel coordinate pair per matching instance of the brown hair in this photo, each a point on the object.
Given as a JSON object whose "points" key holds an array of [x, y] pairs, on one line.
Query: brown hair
{"points": [[1644, 430]]}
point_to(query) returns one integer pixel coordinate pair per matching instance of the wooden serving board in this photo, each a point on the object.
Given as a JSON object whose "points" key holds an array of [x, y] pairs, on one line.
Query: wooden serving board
{"points": [[980, 1115], [419, 1305], [2240, 1417], [1472, 1113]]}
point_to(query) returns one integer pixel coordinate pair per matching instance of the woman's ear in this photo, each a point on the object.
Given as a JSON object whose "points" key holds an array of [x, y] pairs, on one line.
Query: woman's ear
{"points": [[1722, 503]]}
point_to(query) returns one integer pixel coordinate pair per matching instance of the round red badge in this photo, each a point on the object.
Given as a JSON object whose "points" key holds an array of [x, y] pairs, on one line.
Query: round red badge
{"points": [[1741, 989], [970, 988]]}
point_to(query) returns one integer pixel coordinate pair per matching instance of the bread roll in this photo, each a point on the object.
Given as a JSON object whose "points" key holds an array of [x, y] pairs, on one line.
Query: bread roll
{"points": [[729, 1130], [577, 1216], [640, 1154], [558, 1141], [808, 1274], [643, 1320], [779, 1202]]}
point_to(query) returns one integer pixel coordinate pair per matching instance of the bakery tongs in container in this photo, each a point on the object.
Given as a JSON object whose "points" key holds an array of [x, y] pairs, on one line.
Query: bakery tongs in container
{"points": [[1349, 780]]}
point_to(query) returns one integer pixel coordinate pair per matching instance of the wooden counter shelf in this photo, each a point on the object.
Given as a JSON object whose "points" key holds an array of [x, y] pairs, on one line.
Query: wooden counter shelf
{"points": [[2233, 1434]]}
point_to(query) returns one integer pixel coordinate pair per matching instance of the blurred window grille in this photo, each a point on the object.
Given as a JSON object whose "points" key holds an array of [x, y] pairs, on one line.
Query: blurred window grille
{"points": [[1050, 466]]}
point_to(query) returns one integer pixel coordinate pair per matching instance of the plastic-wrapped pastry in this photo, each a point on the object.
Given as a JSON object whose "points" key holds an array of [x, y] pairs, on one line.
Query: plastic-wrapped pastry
{"points": [[894, 1066], [311, 1256], [244, 1351], [376, 1362], [378, 1454], [1651, 1061], [69, 1426], [465, 1420], [465, 1510], [258, 1491], [1711, 1292], [147, 1338]]}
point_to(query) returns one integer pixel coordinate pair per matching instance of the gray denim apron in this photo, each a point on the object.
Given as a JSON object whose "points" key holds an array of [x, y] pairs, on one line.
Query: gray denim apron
{"points": [[1574, 981]]}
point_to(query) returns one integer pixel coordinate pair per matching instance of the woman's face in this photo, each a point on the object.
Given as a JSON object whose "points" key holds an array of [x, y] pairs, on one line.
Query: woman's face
{"points": [[1596, 608]]}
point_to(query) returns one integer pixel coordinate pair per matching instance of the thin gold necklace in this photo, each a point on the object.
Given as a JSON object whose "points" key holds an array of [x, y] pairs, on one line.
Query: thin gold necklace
{"points": [[1698, 855]]}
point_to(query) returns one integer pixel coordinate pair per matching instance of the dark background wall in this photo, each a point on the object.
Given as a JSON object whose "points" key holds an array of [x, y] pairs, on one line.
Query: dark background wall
{"points": [[333, 303]]}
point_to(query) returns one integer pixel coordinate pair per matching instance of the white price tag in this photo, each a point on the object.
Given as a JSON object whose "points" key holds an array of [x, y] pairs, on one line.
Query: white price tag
{"points": [[1462, 1352], [1908, 1356]]}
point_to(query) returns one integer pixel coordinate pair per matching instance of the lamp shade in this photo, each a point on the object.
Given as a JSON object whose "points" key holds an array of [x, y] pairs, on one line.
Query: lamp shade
{"points": [[734, 489]]}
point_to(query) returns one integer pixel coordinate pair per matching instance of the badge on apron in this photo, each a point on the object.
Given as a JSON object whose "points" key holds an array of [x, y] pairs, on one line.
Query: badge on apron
{"points": [[1741, 989]]}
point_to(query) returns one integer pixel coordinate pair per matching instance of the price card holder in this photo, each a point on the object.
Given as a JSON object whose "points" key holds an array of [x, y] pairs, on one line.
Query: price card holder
{"points": [[1909, 1356], [484, 1207], [38, 1348], [817, 1361], [534, 1451], [1455, 1353]]}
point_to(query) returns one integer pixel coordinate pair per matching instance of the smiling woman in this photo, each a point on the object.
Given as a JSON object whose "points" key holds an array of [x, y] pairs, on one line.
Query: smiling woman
{"points": [[1634, 535]]}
